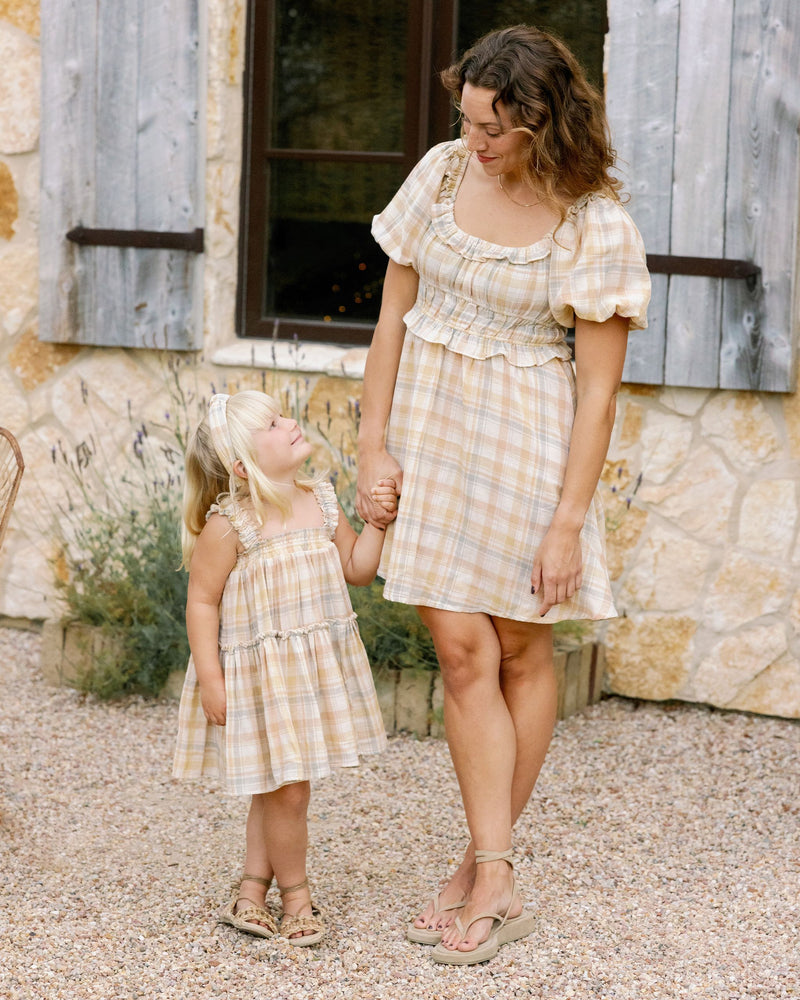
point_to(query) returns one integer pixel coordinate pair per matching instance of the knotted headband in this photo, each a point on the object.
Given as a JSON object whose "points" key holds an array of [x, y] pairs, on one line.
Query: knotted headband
{"points": [[220, 435]]}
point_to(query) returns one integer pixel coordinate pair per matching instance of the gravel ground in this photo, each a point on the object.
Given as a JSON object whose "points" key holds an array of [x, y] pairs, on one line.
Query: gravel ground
{"points": [[660, 852]]}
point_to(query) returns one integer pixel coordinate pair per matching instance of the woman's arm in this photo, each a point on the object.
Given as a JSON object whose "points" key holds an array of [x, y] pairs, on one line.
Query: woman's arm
{"points": [[380, 374], [599, 357], [213, 559]]}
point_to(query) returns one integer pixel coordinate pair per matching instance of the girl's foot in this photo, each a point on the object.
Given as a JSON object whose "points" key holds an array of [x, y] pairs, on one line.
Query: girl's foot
{"points": [[246, 910], [301, 922]]}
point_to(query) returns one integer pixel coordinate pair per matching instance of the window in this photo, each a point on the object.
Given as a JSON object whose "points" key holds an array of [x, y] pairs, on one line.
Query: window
{"points": [[342, 99]]}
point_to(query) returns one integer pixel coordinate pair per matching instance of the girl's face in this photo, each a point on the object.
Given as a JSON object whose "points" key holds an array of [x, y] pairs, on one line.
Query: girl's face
{"points": [[489, 135], [280, 449]]}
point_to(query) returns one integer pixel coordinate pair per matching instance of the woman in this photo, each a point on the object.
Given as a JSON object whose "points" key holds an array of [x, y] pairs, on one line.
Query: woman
{"points": [[498, 243]]}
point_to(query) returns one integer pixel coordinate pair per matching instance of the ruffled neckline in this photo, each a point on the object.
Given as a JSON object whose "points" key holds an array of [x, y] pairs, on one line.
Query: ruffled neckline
{"points": [[473, 247]]}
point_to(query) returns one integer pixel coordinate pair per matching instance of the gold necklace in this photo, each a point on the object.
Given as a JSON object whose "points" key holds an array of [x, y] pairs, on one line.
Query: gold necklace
{"points": [[514, 200]]}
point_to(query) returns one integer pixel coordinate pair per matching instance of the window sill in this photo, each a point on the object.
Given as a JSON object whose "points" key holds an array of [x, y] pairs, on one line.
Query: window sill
{"points": [[296, 356]]}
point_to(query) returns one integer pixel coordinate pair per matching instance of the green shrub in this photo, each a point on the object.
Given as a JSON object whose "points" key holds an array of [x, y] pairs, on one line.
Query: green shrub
{"points": [[118, 540]]}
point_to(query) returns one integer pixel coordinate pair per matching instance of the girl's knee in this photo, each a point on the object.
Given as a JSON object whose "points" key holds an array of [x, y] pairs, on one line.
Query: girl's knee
{"points": [[293, 798]]}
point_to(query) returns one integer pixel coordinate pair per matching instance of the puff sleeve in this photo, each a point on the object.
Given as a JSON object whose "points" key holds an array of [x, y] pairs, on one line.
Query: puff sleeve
{"points": [[398, 229], [599, 266]]}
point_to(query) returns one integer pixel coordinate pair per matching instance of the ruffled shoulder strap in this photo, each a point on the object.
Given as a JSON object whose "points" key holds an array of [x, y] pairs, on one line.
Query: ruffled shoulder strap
{"points": [[454, 170], [326, 498], [241, 522]]}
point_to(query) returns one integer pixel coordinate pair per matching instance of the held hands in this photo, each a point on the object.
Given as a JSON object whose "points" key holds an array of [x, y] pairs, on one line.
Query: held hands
{"points": [[378, 471], [385, 493], [556, 574]]}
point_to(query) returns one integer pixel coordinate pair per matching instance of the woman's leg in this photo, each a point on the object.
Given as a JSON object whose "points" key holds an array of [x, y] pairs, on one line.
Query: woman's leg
{"points": [[499, 683]]}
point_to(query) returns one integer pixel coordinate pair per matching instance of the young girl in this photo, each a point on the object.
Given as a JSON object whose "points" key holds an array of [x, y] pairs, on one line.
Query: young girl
{"points": [[278, 691]]}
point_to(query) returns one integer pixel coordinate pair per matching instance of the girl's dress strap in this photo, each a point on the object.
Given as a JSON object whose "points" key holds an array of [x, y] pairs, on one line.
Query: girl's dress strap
{"points": [[241, 522], [326, 498]]}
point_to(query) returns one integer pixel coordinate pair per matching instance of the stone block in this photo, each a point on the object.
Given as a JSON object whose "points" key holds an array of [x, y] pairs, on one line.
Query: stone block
{"points": [[560, 667], [413, 701], [386, 688], [9, 202], [436, 728], [71, 649], [20, 76], [649, 656]]}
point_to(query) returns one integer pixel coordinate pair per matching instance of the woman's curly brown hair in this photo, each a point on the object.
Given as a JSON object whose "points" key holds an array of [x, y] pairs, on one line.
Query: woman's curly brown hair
{"points": [[547, 95]]}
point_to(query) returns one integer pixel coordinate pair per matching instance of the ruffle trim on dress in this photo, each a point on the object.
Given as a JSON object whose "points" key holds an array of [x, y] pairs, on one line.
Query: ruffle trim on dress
{"points": [[474, 248], [519, 350], [323, 626]]}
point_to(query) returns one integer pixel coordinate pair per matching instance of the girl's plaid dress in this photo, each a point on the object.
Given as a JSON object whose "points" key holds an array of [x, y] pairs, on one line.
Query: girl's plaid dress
{"points": [[300, 695]]}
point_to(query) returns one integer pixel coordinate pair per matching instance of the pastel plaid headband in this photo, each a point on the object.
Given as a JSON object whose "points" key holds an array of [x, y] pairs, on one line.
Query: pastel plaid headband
{"points": [[218, 424]]}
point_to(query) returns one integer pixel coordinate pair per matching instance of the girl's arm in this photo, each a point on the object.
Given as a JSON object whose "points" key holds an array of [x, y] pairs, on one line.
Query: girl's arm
{"points": [[599, 357], [360, 554], [213, 559], [380, 374]]}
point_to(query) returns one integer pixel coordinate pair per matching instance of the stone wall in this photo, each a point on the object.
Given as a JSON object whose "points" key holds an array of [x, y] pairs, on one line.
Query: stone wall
{"points": [[701, 487]]}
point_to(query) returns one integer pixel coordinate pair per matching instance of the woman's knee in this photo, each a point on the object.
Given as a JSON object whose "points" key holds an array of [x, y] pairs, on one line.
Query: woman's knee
{"points": [[526, 650], [466, 647]]}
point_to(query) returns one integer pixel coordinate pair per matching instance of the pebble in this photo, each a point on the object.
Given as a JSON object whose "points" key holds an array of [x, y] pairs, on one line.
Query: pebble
{"points": [[660, 853]]}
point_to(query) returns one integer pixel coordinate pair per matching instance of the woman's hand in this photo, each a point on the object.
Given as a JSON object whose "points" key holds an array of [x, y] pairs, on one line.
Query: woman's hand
{"points": [[556, 574], [373, 469]]}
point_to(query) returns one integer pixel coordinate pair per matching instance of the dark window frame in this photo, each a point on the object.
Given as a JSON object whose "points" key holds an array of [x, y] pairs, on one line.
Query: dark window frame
{"points": [[431, 46]]}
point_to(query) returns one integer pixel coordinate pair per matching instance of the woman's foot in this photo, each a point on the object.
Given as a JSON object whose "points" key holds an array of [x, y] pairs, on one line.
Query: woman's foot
{"points": [[301, 922], [443, 908], [494, 891]]}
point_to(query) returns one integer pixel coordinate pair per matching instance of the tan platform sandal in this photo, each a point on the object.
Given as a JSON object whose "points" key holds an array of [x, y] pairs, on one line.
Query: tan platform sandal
{"points": [[504, 928], [310, 926], [253, 919]]}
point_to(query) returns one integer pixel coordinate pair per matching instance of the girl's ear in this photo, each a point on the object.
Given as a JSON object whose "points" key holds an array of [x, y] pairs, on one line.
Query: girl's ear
{"points": [[239, 469]]}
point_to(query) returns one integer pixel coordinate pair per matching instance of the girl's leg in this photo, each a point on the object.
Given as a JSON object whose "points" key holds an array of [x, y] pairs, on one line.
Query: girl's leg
{"points": [[256, 860], [286, 832]]}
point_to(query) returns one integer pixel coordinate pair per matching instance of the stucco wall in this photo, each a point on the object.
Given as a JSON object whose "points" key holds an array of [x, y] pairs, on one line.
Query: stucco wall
{"points": [[701, 487]]}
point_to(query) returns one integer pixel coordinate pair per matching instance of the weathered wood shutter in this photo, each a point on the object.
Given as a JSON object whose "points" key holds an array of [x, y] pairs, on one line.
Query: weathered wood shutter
{"points": [[121, 151], [704, 104]]}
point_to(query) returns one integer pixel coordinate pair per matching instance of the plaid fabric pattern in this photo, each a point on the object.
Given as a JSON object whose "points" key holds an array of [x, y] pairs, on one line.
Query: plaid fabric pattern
{"points": [[300, 695], [485, 394]]}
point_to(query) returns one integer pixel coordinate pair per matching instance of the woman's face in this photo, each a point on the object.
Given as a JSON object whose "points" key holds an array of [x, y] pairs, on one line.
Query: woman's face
{"points": [[488, 133]]}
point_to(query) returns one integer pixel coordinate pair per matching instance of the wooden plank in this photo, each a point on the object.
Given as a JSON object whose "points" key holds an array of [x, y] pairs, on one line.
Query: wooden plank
{"points": [[640, 100], [168, 146], [762, 204], [694, 304], [66, 146], [115, 169]]}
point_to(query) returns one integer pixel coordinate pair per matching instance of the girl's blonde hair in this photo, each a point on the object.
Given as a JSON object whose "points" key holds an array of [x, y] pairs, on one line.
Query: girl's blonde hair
{"points": [[548, 97], [210, 458]]}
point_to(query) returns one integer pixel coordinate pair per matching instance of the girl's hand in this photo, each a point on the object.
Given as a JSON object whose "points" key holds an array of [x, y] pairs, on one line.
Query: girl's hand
{"points": [[213, 700], [376, 467], [385, 494], [557, 567]]}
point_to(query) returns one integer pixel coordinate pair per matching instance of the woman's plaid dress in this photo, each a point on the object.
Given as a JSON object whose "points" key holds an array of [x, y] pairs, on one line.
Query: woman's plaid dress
{"points": [[485, 394]]}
